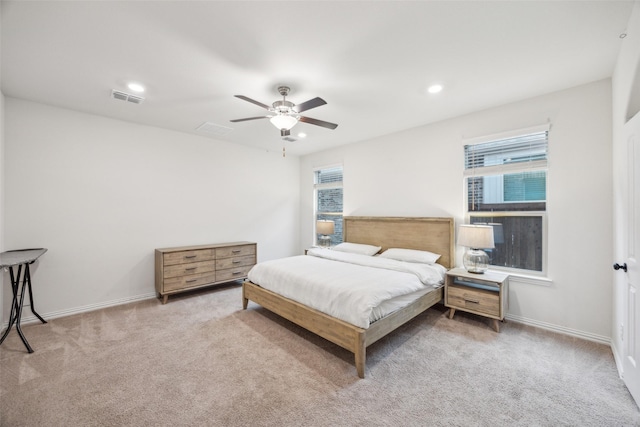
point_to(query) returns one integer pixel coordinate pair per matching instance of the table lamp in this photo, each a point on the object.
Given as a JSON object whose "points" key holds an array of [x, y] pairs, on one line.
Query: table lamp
{"points": [[475, 238], [325, 228]]}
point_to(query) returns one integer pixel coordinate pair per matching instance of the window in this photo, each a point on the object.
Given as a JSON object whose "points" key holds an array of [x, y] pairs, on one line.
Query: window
{"points": [[328, 200], [506, 181]]}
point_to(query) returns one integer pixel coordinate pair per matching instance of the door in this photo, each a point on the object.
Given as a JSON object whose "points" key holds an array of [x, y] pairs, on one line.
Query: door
{"points": [[631, 294]]}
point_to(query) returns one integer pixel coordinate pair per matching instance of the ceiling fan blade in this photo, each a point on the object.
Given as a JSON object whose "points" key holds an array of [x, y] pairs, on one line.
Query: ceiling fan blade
{"points": [[317, 122], [312, 103], [250, 118], [253, 101]]}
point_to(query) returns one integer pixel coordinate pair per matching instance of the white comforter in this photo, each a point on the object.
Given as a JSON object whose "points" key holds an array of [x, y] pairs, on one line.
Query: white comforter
{"points": [[344, 285]]}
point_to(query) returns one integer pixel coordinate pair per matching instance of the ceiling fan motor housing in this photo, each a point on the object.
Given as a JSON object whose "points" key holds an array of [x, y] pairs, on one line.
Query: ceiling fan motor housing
{"points": [[284, 90], [283, 107]]}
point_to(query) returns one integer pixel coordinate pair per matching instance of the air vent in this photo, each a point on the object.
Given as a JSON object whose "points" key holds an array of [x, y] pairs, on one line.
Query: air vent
{"points": [[289, 139], [123, 96], [213, 129]]}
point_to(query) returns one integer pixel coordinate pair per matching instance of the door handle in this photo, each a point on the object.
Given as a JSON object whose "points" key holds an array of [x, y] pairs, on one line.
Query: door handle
{"points": [[617, 266]]}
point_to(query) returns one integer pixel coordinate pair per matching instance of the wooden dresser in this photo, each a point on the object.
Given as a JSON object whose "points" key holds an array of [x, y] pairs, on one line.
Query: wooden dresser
{"points": [[189, 267]]}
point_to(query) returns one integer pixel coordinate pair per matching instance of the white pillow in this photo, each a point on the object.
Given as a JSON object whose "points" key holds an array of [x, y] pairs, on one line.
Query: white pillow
{"points": [[357, 248], [410, 255]]}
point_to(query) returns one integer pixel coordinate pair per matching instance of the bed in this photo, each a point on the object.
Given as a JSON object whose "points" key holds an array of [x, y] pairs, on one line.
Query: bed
{"points": [[417, 233]]}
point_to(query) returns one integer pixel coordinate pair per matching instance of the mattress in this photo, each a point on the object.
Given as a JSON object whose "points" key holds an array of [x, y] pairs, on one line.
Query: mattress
{"points": [[357, 289]]}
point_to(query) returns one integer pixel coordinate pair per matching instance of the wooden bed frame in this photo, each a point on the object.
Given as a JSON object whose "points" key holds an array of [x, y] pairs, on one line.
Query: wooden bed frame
{"points": [[430, 234]]}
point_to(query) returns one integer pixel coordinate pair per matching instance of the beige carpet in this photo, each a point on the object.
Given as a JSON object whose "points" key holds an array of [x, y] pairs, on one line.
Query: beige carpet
{"points": [[201, 360]]}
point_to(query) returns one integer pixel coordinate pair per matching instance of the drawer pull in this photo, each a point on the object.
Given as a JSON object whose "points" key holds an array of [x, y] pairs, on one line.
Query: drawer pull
{"points": [[192, 280], [190, 256], [236, 262], [236, 251], [475, 301], [190, 268], [235, 273]]}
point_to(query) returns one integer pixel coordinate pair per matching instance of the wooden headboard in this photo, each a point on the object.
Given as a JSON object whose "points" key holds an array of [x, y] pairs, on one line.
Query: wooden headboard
{"points": [[426, 234]]}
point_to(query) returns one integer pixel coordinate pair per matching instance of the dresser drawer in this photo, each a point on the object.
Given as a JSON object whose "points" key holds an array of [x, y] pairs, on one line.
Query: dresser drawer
{"points": [[238, 261], [190, 268], [478, 300], [232, 273], [234, 251], [183, 257], [184, 282]]}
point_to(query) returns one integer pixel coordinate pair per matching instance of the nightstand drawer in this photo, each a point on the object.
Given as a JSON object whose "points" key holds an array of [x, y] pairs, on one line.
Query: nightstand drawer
{"points": [[479, 300]]}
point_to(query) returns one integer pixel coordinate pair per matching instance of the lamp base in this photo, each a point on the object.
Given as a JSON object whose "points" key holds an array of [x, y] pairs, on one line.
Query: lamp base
{"points": [[324, 241], [475, 261]]}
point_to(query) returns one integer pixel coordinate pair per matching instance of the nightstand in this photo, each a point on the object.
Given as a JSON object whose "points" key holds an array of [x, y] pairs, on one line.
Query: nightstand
{"points": [[483, 294], [316, 247]]}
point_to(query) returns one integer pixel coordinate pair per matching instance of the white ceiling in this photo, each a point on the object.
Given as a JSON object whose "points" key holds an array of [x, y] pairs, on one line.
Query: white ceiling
{"points": [[370, 60]]}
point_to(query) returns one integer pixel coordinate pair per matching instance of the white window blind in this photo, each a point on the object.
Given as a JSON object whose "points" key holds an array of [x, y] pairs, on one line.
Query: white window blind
{"points": [[329, 177], [502, 156]]}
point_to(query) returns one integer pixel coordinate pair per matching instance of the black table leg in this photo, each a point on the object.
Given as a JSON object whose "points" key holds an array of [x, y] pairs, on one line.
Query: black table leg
{"points": [[19, 315], [17, 305], [14, 302], [27, 275]]}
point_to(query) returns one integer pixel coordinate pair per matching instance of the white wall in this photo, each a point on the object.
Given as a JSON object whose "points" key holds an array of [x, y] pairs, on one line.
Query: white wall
{"points": [[625, 72], [418, 172], [102, 194]]}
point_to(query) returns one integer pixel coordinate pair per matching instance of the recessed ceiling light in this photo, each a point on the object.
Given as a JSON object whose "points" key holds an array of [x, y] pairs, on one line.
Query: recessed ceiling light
{"points": [[435, 88], [136, 87], [302, 135]]}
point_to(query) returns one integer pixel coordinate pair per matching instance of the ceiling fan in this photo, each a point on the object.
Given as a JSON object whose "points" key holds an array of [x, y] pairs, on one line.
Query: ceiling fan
{"points": [[285, 114]]}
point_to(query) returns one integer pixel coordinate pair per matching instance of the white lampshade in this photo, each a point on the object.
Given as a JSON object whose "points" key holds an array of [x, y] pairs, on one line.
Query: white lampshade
{"points": [[282, 121], [476, 236], [325, 227]]}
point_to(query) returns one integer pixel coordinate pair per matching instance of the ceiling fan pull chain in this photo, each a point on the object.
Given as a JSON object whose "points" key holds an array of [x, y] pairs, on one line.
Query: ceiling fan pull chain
{"points": [[283, 153]]}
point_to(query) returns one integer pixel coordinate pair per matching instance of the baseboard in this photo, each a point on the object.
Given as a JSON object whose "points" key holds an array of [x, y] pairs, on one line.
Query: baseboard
{"points": [[76, 310], [560, 329], [617, 358]]}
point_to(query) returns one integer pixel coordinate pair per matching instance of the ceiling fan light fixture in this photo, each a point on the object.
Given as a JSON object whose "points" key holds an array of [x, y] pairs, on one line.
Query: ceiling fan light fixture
{"points": [[282, 121]]}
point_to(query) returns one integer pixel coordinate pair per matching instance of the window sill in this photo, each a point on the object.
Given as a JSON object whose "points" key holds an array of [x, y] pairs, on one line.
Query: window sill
{"points": [[530, 280]]}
